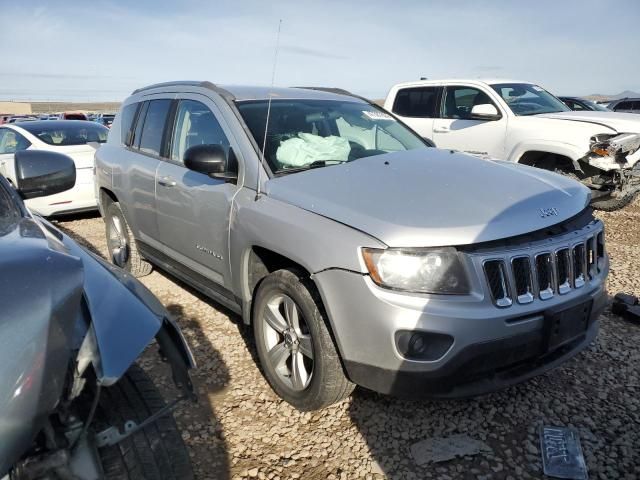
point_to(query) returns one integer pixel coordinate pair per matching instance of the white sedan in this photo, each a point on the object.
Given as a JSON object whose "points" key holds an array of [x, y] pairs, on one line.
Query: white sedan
{"points": [[77, 139]]}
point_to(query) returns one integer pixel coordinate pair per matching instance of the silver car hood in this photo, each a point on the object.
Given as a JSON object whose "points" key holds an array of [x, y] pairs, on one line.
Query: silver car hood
{"points": [[620, 122], [433, 197]]}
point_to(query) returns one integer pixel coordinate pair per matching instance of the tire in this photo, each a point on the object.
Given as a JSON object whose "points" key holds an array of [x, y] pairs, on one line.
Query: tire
{"points": [[155, 453], [611, 204], [323, 381], [123, 250]]}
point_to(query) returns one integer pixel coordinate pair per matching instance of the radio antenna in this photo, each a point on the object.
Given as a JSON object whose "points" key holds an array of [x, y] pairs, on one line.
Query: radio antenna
{"points": [[266, 127]]}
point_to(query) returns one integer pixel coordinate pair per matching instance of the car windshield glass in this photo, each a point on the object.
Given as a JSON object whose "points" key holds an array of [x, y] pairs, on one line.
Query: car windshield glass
{"points": [[68, 133], [306, 134], [528, 99]]}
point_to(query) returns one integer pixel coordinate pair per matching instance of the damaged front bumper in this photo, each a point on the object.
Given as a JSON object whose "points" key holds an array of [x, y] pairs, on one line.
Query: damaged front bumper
{"points": [[614, 152]]}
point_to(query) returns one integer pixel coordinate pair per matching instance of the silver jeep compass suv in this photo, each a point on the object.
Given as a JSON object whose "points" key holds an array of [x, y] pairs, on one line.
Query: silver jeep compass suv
{"points": [[359, 254]]}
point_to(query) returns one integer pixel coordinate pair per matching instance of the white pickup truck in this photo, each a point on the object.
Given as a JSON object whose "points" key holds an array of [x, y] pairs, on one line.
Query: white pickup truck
{"points": [[522, 122]]}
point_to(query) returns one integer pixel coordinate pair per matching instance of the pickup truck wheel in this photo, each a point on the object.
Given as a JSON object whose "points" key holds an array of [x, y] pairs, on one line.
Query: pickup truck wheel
{"points": [[157, 452], [611, 203], [296, 351], [122, 247]]}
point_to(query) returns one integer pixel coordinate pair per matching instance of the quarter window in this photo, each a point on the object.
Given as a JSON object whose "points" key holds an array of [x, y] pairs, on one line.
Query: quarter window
{"points": [[195, 125], [126, 123], [12, 142], [460, 100], [153, 127], [416, 102]]}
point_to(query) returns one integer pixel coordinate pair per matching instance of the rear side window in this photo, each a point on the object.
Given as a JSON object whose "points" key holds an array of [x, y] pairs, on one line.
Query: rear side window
{"points": [[153, 127], [12, 142], [126, 123], [416, 102], [623, 106]]}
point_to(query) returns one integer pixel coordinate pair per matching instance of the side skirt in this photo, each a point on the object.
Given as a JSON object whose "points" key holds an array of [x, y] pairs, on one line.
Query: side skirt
{"points": [[201, 283]]}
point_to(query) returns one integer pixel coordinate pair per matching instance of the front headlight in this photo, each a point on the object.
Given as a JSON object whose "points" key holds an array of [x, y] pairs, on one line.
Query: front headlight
{"points": [[432, 270]]}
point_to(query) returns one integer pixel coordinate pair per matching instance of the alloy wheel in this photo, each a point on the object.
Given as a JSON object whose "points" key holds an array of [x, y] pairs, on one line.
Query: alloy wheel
{"points": [[288, 342], [118, 242]]}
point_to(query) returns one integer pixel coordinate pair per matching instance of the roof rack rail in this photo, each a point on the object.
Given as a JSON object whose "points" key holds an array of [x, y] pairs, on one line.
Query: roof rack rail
{"points": [[339, 91], [185, 83]]}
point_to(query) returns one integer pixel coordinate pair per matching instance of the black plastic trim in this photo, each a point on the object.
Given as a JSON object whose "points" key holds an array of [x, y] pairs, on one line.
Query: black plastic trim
{"points": [[187, 275]]}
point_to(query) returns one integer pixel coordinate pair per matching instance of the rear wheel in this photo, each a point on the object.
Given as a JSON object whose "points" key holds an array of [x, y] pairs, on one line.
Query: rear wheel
{"points": [[155, 453], [121, 244], [296, 351]]}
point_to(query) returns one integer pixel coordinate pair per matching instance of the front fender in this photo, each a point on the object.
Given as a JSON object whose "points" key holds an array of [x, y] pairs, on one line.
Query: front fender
{"points": [[568, 150], [315, 242]]}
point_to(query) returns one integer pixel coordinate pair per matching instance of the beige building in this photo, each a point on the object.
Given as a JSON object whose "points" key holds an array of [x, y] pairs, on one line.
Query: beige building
{"points": [[15, 108]]}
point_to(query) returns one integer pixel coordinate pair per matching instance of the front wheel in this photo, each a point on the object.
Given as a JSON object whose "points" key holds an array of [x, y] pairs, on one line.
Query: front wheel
{"points": [[615, 201], [157, 452], [296, 351]]}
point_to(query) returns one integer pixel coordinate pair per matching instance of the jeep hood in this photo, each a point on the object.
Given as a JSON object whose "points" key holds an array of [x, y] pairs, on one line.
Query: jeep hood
{"points": [[620, 122], [433, 197]]}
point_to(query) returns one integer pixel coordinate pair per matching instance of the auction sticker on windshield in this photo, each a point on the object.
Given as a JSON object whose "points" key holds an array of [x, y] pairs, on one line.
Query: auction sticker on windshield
{"points": [[376, 115]]}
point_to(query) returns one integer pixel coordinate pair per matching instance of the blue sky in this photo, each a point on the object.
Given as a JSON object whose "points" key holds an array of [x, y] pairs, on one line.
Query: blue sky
{"points": [[100, 50]]}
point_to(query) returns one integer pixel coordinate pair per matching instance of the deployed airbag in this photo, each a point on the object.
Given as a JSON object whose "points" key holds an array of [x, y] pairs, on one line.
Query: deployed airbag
{"points": [[307, 148]]}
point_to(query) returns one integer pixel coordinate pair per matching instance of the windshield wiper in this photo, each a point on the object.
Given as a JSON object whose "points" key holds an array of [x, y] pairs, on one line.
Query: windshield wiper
{"points": [[309, 166]]}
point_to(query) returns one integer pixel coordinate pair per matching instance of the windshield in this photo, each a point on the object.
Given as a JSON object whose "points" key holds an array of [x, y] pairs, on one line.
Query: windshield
{"points": [[528, 99], [67, 133], [314, 133]]}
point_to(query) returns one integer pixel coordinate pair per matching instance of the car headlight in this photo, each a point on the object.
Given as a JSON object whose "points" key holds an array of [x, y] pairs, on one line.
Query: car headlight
{"points": [[431, 270], [612, 145]]}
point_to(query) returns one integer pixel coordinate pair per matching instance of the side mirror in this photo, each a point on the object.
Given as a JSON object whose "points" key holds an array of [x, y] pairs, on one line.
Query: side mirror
{"points": [[210, 160], [40, 173], [485, 111]]}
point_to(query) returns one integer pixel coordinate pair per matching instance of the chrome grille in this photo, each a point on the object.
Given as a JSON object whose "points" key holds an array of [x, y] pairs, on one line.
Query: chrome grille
{"points": [[496, 273], [591, 257], [563, 270], [544, 275], [579, 266], [523, 278], [521, 267], [600, 251]]}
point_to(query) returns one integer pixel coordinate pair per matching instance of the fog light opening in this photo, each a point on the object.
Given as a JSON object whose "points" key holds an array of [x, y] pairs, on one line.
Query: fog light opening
{"points": [[426, 346]]}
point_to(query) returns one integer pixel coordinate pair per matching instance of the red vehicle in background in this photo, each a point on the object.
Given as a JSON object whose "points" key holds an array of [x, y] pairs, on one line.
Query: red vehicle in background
{"points": [[73, 116]]}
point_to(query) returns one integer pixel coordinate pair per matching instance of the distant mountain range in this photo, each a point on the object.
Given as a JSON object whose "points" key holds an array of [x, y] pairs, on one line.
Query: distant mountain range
{"points": [[625, 94]]}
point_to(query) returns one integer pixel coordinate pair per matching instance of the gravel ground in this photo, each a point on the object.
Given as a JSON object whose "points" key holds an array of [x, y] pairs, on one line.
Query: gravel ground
{"points": [[240, 429]]}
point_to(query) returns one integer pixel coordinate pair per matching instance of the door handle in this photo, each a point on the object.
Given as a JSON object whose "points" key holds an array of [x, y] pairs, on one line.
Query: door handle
{"points": [[166, 182], [441, 130]]}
